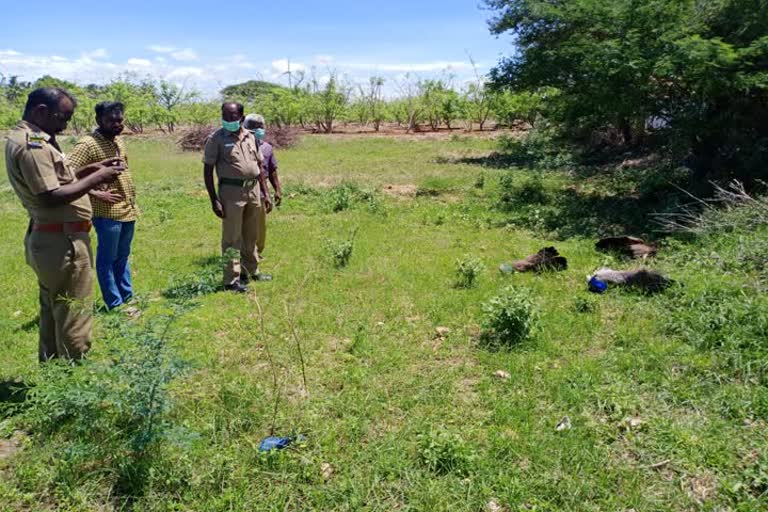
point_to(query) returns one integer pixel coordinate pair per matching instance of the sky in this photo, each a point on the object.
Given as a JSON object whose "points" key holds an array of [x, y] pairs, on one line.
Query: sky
{"points": [[207, 45]]}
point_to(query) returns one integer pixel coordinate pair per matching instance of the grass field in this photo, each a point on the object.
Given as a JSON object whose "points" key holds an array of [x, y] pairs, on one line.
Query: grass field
{"points": [[666, 395]]}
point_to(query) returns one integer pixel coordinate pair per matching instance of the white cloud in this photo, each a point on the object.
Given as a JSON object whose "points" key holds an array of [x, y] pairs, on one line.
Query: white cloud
{"points": [[139, 63], [324, 60], [161, 49], [96, 54], [410, 67], [281, 66], [187, 54], [8, 53], [185, 72]]}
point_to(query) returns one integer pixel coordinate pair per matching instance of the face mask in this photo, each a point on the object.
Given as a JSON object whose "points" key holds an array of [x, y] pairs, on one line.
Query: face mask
{"points": [[230, 126], [259, 133]]}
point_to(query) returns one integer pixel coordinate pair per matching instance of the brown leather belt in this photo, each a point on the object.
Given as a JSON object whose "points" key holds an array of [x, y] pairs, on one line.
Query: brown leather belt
{"points": [[64, 227]]}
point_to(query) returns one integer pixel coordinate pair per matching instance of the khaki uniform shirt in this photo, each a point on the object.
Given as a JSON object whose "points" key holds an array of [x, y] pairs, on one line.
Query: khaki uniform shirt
{"points": [[235, 155], [35, 165], [94, 148]]}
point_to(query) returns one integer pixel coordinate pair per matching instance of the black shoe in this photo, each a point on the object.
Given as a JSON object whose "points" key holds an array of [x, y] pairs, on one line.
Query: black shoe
{"points": [[237, 288]]}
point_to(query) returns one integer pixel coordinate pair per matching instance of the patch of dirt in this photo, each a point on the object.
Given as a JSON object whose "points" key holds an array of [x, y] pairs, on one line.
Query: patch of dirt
{"points": [[401, 191], [9, 447], [701, 488]]}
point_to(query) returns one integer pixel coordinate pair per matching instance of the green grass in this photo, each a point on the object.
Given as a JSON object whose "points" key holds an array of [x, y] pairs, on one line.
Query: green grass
{"points": [[408, 420]]}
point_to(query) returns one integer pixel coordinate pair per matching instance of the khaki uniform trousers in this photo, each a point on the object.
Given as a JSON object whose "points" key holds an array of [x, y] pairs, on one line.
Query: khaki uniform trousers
{"points": [[239, 231], [261, 221], [63, 263]]}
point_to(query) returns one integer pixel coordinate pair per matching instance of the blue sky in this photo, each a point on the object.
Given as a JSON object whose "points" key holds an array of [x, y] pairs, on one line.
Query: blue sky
{"points": [[211, 44]]}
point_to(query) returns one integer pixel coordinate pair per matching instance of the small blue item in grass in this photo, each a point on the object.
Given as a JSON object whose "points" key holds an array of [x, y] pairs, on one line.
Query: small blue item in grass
{"points": [[597, 286], [278, 443]]}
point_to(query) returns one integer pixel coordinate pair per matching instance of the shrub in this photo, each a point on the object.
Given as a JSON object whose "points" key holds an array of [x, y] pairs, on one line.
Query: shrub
{"points": [[513, 195], [194, 138], [467, 271], [342, 196], [537, 149], [480, 181], [108, 419], [508, 319], [584, 304], [443, 453], [340, 252]]}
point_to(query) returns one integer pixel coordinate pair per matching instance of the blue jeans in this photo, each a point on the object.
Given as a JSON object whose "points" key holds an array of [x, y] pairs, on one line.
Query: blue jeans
{"points": [[112, 268]]}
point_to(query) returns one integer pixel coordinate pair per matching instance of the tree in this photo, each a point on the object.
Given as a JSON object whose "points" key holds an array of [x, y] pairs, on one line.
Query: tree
{"points": [[410, 107], [328, 103], [169, 97], [372, 100], [698, 70]]}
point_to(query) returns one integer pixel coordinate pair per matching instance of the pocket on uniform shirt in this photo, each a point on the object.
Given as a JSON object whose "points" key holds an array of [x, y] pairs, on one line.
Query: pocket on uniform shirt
{"points": [[62, 172], [230, 154]]}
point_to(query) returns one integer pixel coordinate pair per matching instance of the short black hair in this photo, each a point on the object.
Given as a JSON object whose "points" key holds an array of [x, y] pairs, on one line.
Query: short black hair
{"points": [[48, 96], [108, 107], [240, 107]]}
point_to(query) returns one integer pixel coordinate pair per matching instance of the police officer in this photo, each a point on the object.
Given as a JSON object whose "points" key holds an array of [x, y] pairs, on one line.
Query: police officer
{"points": [[57, 243], [233, 152], [254, 123]]}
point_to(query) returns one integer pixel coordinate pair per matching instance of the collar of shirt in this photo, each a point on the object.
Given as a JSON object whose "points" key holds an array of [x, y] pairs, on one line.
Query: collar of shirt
{"points": [[26, 125], [98, 135]]}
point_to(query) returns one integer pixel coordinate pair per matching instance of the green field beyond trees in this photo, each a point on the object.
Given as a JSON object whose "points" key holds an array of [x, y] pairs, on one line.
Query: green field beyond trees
{"points": [[369, 343]]}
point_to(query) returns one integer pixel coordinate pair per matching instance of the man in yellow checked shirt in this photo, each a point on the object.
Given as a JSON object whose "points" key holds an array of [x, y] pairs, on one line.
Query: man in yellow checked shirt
{"points": [[114, 206]]}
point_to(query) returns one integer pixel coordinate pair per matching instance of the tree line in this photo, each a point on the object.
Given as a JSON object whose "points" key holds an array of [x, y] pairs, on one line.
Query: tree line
{"points": [[419, 103], [690, 76]]}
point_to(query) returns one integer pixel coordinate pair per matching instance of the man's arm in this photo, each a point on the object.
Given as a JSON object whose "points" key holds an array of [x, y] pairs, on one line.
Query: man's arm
{"points": [[274, 179], [68, 193], [209, 186], [264, 189]]}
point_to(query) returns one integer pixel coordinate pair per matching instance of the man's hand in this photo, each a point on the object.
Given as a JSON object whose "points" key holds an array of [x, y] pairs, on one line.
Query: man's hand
{"points": [[278, 198], [106, 175], [106, 195], [217, 208], [87, 170], [267, 204]]}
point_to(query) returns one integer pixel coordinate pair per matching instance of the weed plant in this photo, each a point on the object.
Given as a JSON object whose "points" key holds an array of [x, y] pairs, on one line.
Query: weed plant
{"points": [[508, 319], [468, 270], [444, 452], [340, 251]]}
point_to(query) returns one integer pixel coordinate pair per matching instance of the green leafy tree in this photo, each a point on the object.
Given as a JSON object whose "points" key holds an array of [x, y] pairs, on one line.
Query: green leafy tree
{"points": [[696, 71]]}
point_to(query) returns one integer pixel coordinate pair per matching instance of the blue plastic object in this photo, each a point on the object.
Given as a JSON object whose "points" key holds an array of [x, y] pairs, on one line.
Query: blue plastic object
{"points": [[278, 443], [597, 286]]}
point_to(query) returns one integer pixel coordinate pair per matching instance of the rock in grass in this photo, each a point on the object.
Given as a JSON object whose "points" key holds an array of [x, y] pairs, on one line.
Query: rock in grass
{"points": [[326, 470], [501, 374], [565, 424], [494, 506]]}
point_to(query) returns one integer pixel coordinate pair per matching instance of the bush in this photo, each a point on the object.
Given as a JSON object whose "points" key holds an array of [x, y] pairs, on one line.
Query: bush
{"points": [[513, 195], [194, 138], [108, 419], [341, 197], [508, 319], [480, 181], [536, 149], [443, 453], [584, 305], [340, 252], [467, 271]]}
